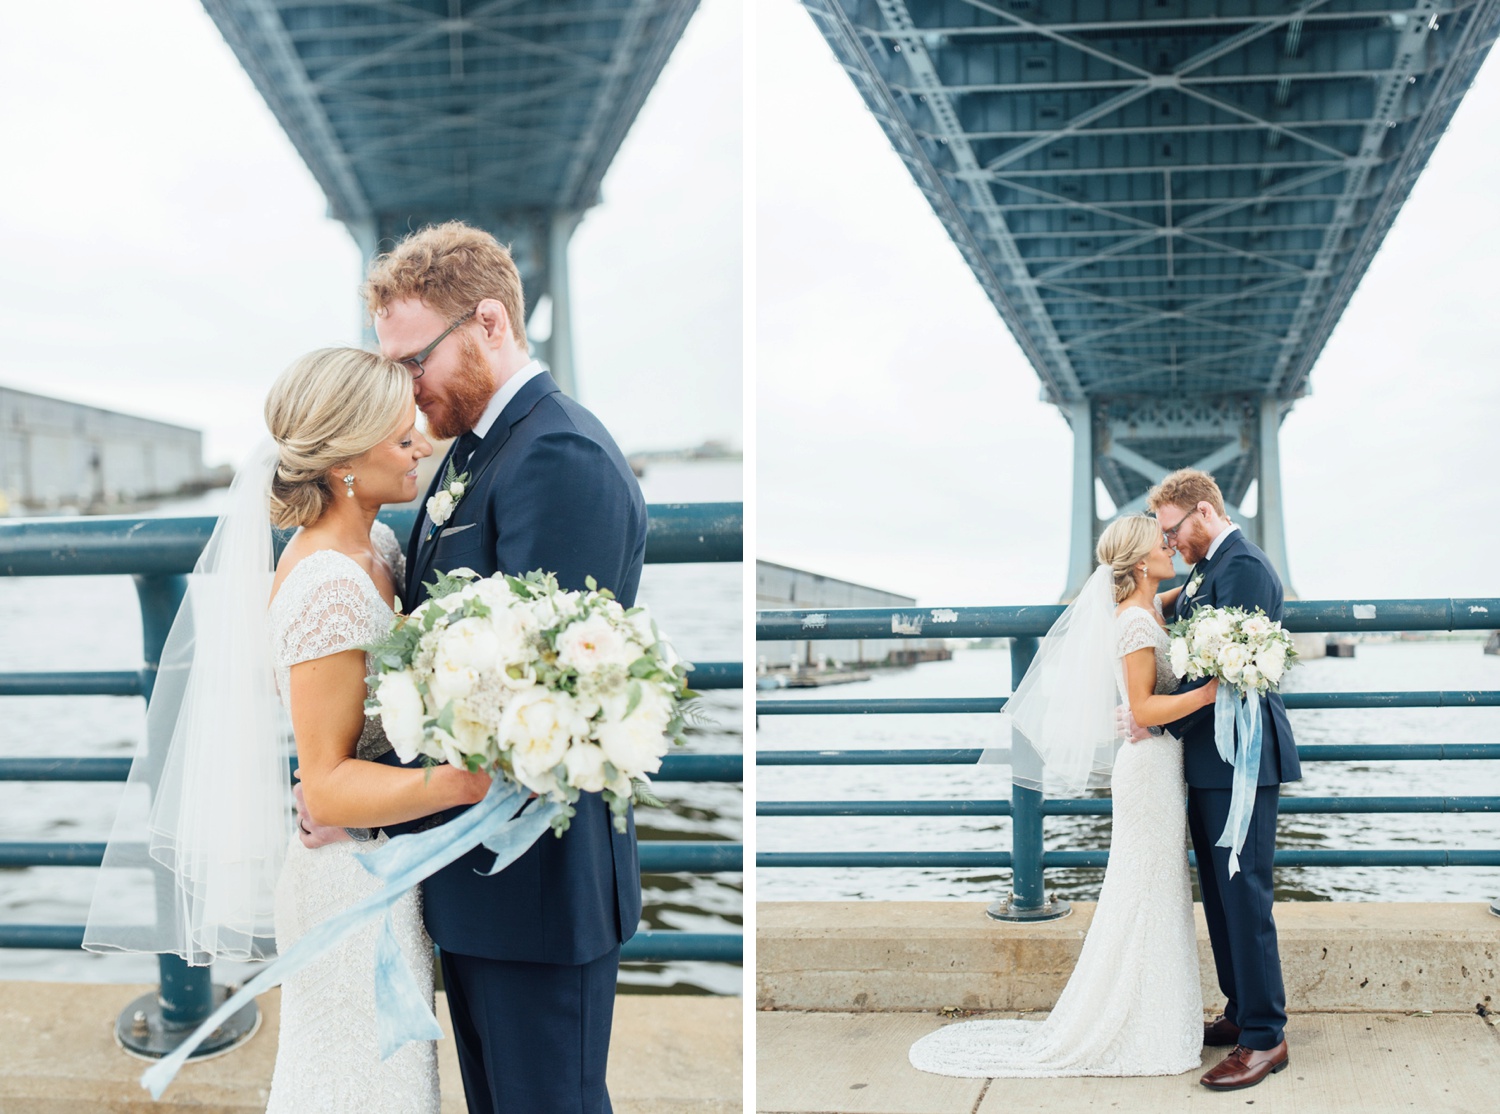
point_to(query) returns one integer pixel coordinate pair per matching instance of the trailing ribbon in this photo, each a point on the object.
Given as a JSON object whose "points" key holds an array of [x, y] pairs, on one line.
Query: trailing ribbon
{"points": [[1230, 711], [404, 1014]]}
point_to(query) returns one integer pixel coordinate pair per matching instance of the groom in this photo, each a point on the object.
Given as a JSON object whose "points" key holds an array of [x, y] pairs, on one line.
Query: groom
{"points": [[530, 955], [1228, 571]]}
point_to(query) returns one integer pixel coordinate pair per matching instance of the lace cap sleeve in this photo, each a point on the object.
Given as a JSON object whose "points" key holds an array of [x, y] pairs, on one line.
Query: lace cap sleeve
{"points": [[390, 550], [325, 610], [1136, 630]]}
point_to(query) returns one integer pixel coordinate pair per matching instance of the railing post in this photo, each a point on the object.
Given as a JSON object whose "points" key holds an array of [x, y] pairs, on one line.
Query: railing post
{"points": [[154, 1024], [1027, 900]]}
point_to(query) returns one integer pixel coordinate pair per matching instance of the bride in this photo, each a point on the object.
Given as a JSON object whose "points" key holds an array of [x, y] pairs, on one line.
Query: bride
{"points": [[231, 870], [1133, 1005]]}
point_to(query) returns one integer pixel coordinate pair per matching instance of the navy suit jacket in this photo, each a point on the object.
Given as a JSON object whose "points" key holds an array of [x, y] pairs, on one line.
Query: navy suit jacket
{"points": [[1239, 575], [547, 489]]}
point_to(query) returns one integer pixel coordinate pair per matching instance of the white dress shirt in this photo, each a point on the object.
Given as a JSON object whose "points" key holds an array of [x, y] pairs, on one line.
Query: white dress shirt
{"points": [[503, 396], [1214, 545]]}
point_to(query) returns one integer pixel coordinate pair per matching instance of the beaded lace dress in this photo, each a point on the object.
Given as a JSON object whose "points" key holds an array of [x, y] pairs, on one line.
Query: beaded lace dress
{"points": [[327, 1061], [1133, 1005]]}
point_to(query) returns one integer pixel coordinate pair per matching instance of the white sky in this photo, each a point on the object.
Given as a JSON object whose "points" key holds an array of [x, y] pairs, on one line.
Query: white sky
{"points": [[167, 253], [901, 441]]}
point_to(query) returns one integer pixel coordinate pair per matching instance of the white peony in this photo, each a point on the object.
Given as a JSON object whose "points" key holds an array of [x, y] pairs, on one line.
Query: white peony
{"points": [[1179, 655], [592, 644], [401, 713], [1271, 660], [585, 764], [440, 507], [447, 747], [1250, 678], [464, 650], [1232, 661], [538, 725], [635, 743]]}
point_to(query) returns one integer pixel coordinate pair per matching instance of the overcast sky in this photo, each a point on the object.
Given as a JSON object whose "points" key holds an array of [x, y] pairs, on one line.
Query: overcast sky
{"points": [[901, 441], [168, 254]]}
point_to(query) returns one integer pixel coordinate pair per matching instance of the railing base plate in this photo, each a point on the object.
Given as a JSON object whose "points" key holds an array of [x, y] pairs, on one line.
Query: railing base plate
{"points": [[1006, 910], [142, 1033], [1495, 907]]}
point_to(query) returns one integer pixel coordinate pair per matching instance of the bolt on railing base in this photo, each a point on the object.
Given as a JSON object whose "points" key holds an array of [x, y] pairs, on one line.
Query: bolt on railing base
{"points": [[1006, 909], [142, 1032]]}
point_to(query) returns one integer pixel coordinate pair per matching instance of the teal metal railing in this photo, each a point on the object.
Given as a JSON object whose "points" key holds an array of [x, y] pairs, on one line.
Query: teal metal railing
{"points": [[157, 553], [1026, 859]]}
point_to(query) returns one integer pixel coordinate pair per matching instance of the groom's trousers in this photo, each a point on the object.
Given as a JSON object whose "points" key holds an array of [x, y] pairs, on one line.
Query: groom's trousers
{"points": [[1238, 912], [532, 1038]]}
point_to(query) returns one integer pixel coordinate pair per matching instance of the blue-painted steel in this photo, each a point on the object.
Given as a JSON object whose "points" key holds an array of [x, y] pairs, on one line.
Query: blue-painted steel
{"points": [[967, 756], [645, 947], [1002, 860], [677, 533], [675, 767], [1105, 807], [657, 856], [1339, 616], [118, 683], [497, 113], [1169, 205], [963, 705]]}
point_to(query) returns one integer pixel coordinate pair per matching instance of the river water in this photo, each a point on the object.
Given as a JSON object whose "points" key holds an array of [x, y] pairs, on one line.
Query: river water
{"points": [[1376, 667], [93, 623]]}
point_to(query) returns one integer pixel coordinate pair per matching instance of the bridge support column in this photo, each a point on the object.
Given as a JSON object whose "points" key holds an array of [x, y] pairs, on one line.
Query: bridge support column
{"points": [[1085, 516], [1268, 514], [558, 348]]}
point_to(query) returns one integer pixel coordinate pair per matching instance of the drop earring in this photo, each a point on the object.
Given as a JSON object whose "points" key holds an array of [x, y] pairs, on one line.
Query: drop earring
{"points": [[349, 485]]}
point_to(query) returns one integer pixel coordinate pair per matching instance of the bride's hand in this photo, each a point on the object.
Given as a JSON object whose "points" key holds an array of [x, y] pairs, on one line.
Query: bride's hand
{"points": [[1209, 692], [468, 789]]}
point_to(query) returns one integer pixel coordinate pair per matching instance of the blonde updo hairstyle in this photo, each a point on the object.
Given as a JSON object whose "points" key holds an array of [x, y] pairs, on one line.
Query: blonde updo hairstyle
{"points": [[329, 408], [1123, 545]]}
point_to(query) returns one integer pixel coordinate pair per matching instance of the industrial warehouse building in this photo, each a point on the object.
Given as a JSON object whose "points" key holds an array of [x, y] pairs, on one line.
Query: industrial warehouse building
{"points": [[779, 587], [56, 454]]}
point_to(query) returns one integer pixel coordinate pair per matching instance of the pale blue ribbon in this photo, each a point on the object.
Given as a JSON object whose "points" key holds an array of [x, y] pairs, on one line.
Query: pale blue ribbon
{"points": [[1229, 712], [404, 1014]]}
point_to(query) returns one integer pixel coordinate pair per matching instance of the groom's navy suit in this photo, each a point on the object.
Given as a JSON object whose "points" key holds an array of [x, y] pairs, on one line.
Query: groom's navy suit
{"points": [[530, 955], [1238, 909]]}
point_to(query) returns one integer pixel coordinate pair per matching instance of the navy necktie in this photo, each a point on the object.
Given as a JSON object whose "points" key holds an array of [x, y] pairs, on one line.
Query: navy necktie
{"points": [[467, 443]]}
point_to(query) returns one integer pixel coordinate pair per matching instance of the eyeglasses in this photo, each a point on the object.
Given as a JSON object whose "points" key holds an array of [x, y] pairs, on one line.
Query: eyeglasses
{"points": [[1171, 535], [421, 357]]}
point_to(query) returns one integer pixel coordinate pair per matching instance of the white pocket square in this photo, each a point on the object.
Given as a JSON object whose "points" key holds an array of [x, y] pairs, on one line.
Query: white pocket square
{"points": [[457, 529]]}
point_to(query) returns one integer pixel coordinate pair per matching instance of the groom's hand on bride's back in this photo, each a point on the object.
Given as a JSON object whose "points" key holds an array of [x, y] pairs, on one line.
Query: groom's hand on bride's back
{"points": [[312, 834], [1126, 725]]}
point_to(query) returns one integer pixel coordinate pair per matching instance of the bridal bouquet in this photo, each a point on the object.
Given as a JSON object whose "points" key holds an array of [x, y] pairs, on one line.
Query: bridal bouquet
{"points": [[564, 692], [1249, 654], [1241, 648]]}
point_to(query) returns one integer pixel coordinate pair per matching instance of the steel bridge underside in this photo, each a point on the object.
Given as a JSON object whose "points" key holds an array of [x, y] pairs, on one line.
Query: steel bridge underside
{"points": [[505, 113], [1169, 202]]}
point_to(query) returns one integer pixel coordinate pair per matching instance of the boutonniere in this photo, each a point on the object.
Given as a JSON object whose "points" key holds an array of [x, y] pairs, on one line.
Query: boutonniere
{"points": [[1193, 585], [440, 507]]}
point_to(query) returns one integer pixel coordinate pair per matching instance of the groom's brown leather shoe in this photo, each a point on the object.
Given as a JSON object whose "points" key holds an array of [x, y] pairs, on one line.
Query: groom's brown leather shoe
{"points": [[1245, 1067], [1220, 1033]]}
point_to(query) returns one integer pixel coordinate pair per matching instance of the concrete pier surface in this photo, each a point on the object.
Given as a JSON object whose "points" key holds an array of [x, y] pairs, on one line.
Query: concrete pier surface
{"points": [[1372, 1063], [1389, 1009], [670, 1054]]}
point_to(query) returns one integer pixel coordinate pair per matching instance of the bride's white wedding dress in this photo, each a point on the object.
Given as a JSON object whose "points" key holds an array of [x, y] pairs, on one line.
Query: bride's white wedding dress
{"points": [[1133, 1005], [327, 1059]]}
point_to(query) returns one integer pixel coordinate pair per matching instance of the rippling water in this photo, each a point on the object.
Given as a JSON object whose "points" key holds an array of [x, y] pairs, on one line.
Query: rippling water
{"points": [[93, 623], [1376, 667]]}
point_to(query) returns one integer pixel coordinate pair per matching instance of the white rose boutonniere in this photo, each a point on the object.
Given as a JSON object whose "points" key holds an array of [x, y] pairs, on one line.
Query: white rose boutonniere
{"points": [[1193, 585], [441, 506]]}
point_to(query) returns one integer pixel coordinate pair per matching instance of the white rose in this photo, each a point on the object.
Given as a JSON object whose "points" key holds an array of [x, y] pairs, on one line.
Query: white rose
{"points": [[585, 764], [1179, 655], [1271, 660], [593, 643], [1250, 678], [401, 713], [440, 508], [457, 487], [537, 726]]}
